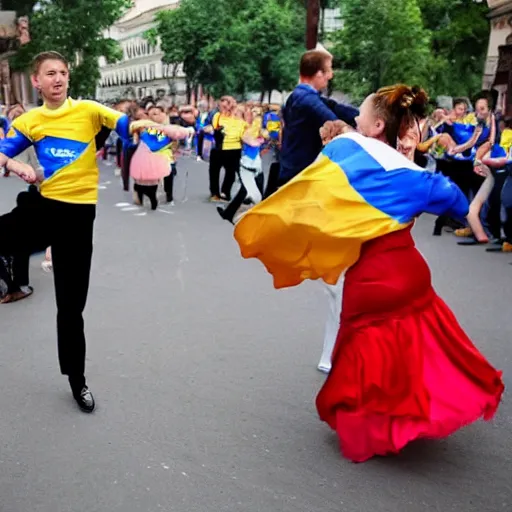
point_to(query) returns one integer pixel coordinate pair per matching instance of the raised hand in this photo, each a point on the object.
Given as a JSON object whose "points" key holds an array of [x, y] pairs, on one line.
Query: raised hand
{"points": [[138, 126], [175, 132]]}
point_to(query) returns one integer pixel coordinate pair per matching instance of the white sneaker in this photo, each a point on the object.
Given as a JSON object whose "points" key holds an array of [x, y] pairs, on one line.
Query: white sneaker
{"points": [[47, 266], [324, 367], [199, 159]]}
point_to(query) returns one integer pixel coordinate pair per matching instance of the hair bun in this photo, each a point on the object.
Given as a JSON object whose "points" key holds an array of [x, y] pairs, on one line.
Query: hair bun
{"points": [[407, 99]]}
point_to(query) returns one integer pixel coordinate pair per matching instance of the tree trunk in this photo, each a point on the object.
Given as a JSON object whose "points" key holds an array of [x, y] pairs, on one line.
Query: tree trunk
{"points": [[270, 96], [322, 24], [262, 96], [196, 93], [189, 91], [312, 24]]}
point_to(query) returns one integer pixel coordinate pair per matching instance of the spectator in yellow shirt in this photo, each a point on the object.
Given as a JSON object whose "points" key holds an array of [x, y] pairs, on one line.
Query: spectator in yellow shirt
{"points": [[228, 132], [506, 135]]}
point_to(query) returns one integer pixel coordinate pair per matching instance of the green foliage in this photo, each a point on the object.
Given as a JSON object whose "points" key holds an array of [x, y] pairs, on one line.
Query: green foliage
{"points": [[439, 44], [460, 32], [22, 7], [382, 42], [75, 29], [236, 47]]}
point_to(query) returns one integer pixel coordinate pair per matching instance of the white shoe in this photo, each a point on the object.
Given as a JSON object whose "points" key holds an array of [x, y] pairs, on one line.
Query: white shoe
{"points": [[324, 367], [199, 159], [47, 266]]}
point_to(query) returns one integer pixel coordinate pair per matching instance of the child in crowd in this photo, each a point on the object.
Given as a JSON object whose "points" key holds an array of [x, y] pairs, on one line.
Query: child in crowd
{"points": [[151, 161], [158, 115]]}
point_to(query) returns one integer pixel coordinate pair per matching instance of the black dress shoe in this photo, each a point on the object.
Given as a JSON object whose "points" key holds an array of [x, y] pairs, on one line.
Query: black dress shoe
{"points": [[471, 241], [223, 214], [85, 400]]}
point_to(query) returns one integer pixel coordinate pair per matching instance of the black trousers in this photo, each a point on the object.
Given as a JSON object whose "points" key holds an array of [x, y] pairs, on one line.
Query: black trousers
{"points": [[119, 151], [169, 183], [506, 197], [462, 174], [492, 222], [273, 179], [200, 142], [20, 271], [230, 160], [149, 191], [68, 229], [125, 169]]}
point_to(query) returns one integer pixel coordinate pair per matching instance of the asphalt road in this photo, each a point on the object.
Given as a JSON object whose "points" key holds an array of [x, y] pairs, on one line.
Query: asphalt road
{"points": [[205, 379]]}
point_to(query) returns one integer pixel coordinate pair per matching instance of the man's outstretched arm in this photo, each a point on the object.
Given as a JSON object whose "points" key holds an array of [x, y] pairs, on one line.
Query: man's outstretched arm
{"points": [[14, 144]]}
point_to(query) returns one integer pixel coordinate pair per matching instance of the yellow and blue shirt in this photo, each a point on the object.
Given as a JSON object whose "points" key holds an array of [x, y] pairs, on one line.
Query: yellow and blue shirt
{"points": [[272, 123], [158, 142], [64, 142], [234, 130]]}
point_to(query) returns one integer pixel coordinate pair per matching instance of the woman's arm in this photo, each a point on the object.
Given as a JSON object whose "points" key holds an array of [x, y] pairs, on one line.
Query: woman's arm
{"points": [[175, 132], [469, 144], [444, 197]]}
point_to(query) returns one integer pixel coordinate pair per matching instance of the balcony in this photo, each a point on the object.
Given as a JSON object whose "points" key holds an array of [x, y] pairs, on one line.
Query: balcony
{"points": [[499, 8]]}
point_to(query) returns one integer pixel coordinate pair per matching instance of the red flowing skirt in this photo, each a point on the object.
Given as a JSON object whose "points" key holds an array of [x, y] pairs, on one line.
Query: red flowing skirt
{"points": [[402, 367]]}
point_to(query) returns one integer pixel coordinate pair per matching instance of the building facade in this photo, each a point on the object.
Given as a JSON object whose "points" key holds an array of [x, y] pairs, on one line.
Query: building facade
{"points": [[498, 65], [14, 87], [141, 72]]}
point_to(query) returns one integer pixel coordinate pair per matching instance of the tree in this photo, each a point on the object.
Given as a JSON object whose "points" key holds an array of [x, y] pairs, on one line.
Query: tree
{"points": [[382, 42], [193, 35], [22, 7], [270, 34], [236, 47], [460, 32], [75, 29]]}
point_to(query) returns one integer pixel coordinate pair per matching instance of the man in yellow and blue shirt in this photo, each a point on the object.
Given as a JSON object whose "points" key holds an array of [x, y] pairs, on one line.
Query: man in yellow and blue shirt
{"points": [[62, 214]]}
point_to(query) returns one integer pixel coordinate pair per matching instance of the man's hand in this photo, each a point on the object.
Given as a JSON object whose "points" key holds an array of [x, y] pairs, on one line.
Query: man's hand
{"points": [[24, 171], [332, 129]]}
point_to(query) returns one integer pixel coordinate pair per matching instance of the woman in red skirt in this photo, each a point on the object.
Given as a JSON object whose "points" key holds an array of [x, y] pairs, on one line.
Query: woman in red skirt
{"points": [[402, 367]]}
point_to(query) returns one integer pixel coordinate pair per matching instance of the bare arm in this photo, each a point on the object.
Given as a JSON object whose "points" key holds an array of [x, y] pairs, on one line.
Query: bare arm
{"points": [[492, 137], [24, 171], [469, 144], [175, 132]]}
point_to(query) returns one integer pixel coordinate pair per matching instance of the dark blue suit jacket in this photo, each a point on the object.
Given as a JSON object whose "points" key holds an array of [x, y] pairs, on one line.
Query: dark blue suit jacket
{"points": [[304, 113]]}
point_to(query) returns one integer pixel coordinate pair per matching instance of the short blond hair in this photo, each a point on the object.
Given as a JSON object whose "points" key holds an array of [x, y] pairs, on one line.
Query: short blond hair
{"points": [[39, 59]]}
